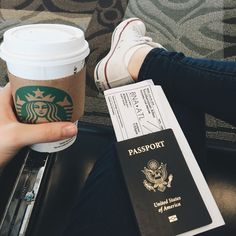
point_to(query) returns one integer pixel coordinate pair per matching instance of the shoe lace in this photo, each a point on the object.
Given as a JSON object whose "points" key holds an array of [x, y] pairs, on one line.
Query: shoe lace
{"points": [[144, 39], [148, 40]]}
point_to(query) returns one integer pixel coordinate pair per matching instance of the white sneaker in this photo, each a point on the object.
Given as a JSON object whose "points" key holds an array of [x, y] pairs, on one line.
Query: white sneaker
{"points": [[127, 37]]}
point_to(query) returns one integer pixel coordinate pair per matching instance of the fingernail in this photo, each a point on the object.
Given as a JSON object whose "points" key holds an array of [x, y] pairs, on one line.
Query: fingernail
{"points": [[69, 131]]}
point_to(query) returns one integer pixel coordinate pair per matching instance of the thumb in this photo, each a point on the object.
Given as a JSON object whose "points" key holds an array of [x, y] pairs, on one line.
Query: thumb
{"points": [[47, 132]]}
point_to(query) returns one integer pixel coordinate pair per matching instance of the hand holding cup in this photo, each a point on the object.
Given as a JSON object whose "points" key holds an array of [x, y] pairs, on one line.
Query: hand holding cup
{"points": [[15, 135], [46, 68]]}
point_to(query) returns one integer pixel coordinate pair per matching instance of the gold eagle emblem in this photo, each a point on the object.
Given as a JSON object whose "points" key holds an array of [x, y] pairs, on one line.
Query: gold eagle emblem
{"points": [[156, 176]]}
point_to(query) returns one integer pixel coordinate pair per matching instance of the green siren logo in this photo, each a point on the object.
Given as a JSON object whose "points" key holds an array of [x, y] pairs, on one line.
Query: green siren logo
{"points": [[40, 104]]}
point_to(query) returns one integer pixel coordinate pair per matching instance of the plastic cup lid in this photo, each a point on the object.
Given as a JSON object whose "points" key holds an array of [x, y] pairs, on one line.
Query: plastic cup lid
{"points": [[44, 45]]}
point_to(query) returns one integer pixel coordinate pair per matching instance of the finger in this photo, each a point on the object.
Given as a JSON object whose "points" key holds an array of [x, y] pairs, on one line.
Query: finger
{"points": [[5, 94], [47, 132], [6, 103]]}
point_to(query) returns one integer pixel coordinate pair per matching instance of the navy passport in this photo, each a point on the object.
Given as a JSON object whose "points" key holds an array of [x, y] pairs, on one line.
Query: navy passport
{"points": [[162, 191]]}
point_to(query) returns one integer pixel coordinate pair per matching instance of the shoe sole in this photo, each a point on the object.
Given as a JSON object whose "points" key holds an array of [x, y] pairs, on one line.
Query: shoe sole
{"points": [[99, 74]]}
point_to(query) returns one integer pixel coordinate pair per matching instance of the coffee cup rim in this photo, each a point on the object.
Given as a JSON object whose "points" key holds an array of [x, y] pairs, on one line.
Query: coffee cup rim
{"points": [[38, 51]]}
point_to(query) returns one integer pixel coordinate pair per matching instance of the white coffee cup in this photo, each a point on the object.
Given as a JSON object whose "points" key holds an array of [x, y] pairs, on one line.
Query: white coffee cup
{"points": [[46, 64]]}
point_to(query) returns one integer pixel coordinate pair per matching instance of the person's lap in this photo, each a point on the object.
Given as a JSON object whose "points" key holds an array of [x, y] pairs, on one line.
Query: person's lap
{"points": [[104, 207]]}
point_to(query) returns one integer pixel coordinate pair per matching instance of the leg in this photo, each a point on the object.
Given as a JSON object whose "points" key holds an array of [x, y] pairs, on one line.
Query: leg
{"points": [[204, 85], [104, 207]]}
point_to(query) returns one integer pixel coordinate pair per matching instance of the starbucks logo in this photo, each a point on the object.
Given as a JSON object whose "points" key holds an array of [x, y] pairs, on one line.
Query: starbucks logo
{"points": [[40, 104]]}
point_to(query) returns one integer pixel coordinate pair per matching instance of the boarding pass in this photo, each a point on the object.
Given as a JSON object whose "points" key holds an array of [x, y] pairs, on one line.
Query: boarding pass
{"points": [[135, 110]]}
